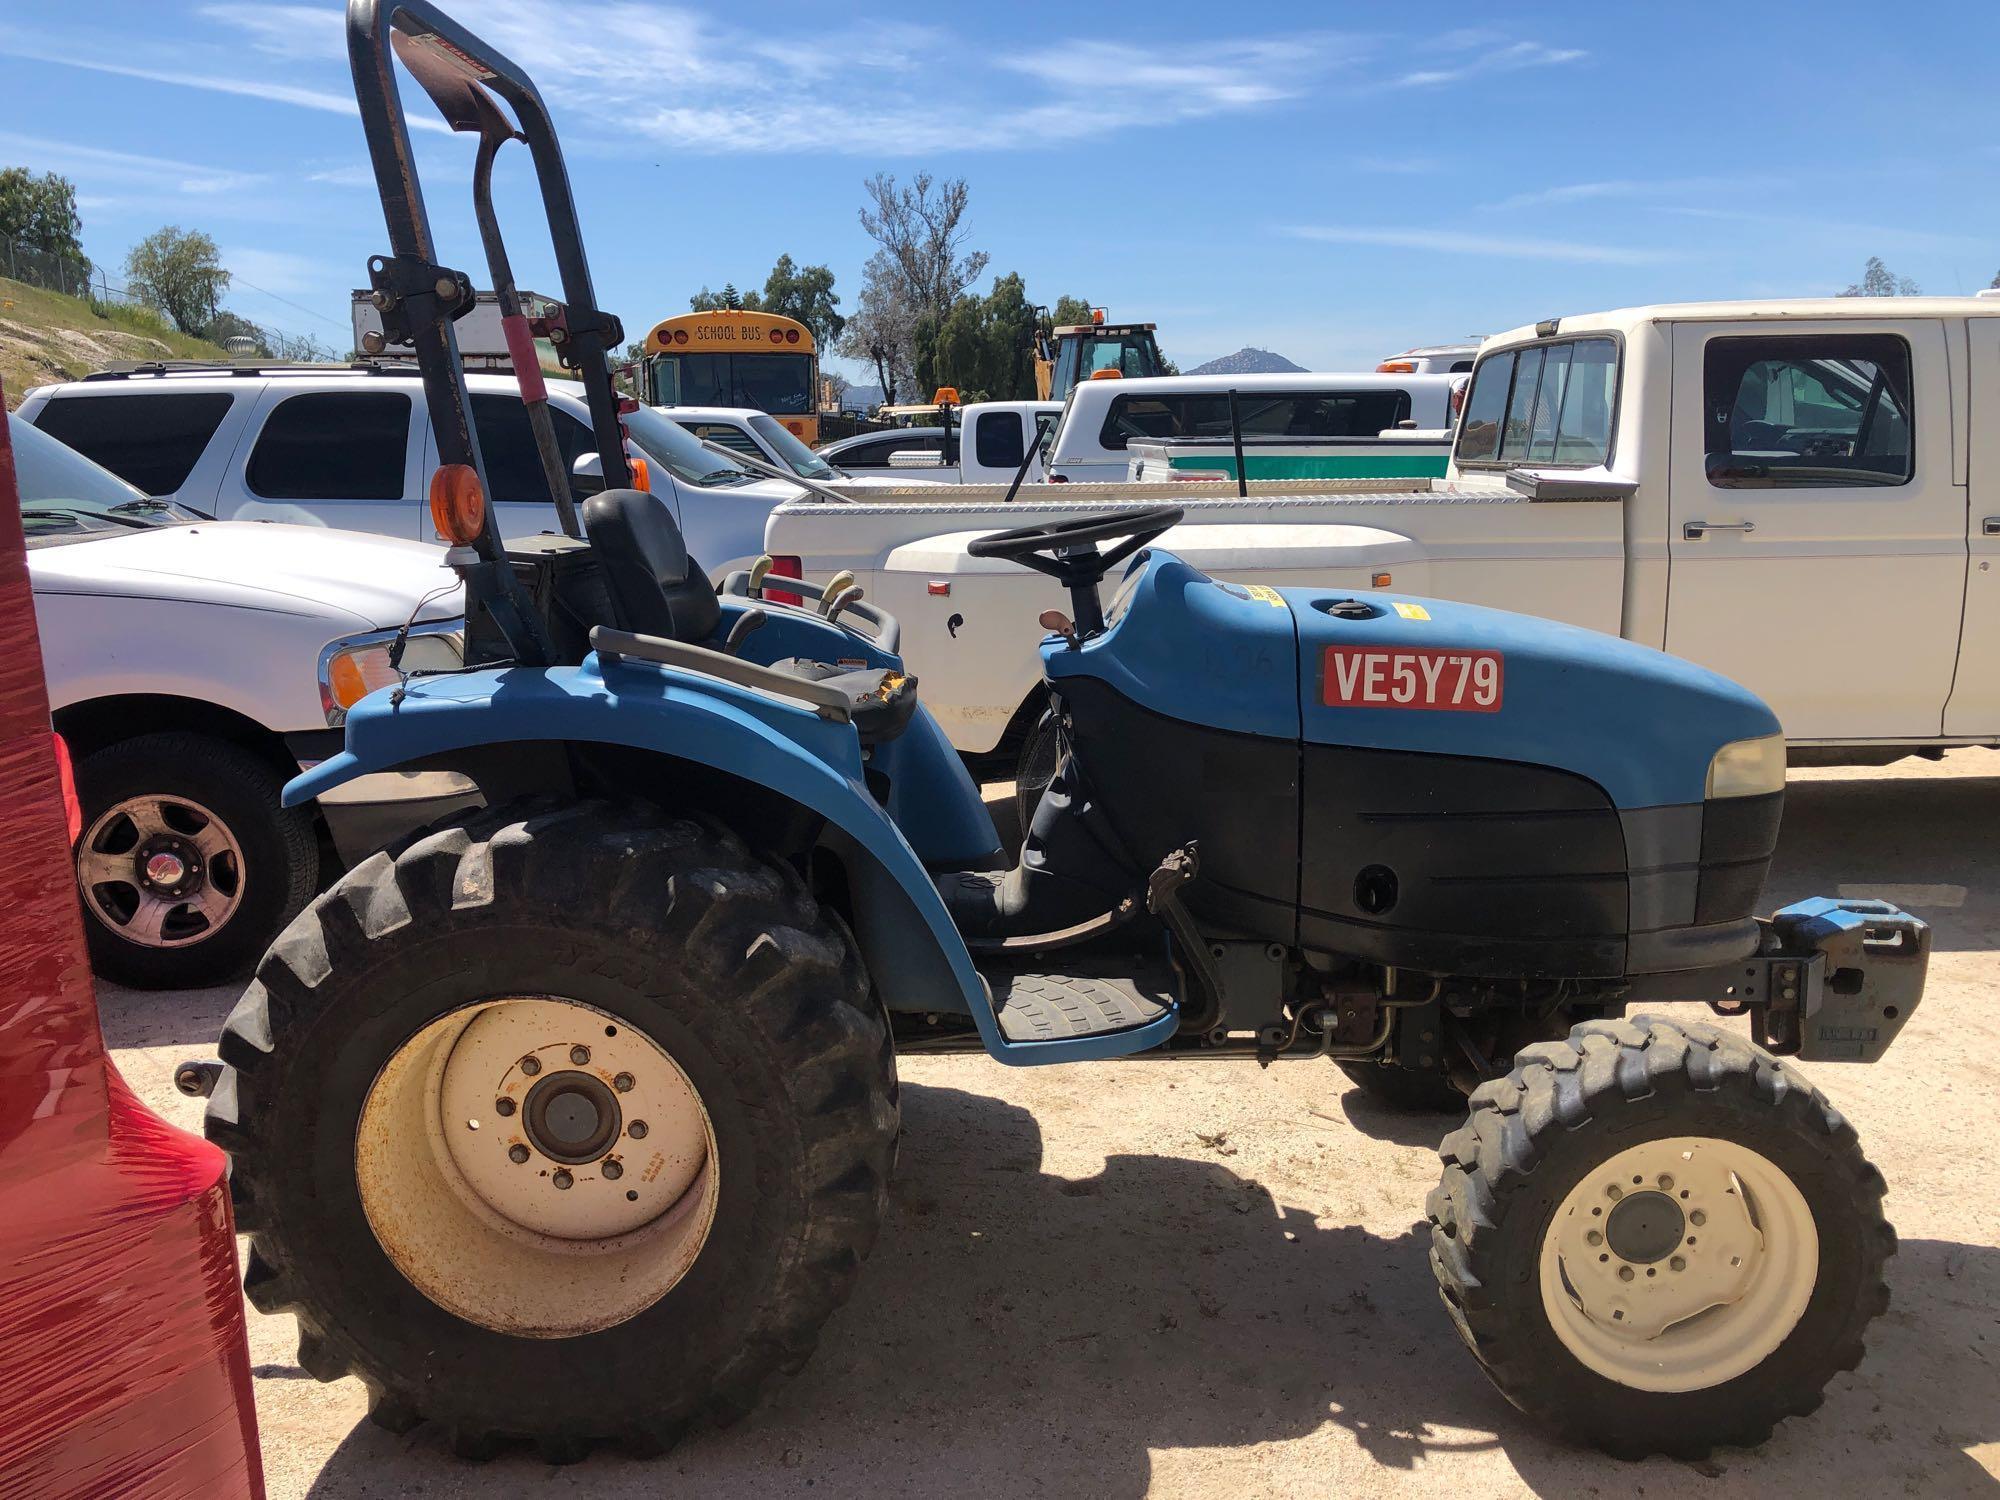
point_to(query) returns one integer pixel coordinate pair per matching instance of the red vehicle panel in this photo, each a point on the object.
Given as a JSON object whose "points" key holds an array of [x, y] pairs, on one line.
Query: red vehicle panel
{"points": [[124, 1369]]}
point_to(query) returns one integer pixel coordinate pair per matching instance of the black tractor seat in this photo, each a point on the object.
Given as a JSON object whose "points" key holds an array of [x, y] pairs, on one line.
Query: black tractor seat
{"points": [[656, 589], [884, 700]]}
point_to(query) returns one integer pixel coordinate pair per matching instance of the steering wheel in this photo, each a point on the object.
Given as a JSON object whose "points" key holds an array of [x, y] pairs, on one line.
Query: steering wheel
{"points": [[1067, 552]]}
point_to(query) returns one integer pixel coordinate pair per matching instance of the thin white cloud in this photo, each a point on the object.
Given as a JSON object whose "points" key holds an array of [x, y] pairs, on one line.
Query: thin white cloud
{"points": [[314, 33], [1459, 242], [252, 88], [1510, 58], [1870, 237], [1624, 188], [124, 166], [279, 272]]}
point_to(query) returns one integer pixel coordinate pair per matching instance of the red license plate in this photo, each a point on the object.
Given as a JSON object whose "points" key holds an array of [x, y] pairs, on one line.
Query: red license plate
{"points": [[1455, 681]]}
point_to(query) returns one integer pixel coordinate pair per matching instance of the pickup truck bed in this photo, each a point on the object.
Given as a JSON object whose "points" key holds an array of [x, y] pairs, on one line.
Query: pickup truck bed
{"points": [[969, 624]]}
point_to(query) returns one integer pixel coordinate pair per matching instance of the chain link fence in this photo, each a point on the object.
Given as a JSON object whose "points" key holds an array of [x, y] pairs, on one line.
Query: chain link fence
{"points": [[72, 275], [77, 276]]}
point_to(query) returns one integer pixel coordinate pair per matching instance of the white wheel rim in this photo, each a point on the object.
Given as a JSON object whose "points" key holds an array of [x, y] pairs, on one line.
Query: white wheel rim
{"points": [[537, 1166], [1705, 1273], [160, 871]]}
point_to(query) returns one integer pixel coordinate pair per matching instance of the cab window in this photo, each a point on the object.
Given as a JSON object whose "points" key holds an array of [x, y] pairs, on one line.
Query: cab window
{"points": [[997, 440], [1552, 403], [1813, 410]]}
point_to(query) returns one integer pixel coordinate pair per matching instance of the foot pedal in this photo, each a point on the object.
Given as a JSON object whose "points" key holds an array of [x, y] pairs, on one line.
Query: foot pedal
{"points": [[1063, 1007]]}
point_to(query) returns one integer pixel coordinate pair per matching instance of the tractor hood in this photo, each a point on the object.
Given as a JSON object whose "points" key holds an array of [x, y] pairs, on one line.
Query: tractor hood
{"points": [[1428, 676], [353, 580]]}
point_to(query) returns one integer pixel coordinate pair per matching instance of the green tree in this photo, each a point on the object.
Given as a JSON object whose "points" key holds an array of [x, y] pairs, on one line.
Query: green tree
{"points": [[1069, 312], [726, 300], [179, 273], [805, 293], [983, 345], [1877, 280], [38, 216]]}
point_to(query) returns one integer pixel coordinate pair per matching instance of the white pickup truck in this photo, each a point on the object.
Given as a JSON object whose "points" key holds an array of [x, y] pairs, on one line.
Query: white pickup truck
{"points": [[983, 443], [1799, 494]]}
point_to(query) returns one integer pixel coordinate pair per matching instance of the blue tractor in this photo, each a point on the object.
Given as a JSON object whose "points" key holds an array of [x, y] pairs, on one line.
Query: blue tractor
{"points": [[571, 1120]]}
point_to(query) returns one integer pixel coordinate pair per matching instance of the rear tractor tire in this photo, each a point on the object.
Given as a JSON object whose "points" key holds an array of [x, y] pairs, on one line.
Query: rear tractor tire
{"points": [[1658, 1238], [564, 1126]]}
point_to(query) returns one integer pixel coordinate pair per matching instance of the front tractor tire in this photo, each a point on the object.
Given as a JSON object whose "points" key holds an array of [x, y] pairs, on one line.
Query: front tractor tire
{"points": [[560, 1126], [1658, 1238]]}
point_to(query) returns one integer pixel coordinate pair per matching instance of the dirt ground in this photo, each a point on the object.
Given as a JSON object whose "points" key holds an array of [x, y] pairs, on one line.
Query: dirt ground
{"points": [[1206, 1280]]}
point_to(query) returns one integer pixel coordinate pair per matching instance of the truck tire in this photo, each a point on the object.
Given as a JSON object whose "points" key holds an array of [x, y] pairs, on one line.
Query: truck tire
{"points": [[566, 1126], [189, 862], [1658, 1238], [1406, 1090]]}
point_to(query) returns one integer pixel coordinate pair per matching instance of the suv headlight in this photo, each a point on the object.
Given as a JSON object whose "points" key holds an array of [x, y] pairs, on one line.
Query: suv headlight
{"points": [[1748, 768], [355, 666]]}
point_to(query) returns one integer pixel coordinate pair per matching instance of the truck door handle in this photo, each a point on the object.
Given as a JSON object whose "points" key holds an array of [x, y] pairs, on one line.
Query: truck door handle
{"points": [[1694, 531], [1990, 526]]}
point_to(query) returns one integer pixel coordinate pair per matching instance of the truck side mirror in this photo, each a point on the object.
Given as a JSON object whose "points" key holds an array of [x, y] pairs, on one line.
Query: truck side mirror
{"points": [[587, 475]]}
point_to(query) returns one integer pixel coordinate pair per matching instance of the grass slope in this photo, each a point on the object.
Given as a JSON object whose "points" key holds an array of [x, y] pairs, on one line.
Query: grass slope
{"points": [[46, 336]]}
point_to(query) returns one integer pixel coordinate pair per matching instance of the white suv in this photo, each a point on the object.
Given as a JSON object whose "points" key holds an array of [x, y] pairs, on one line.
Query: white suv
{"points": [[194, 667], [351, 447]]}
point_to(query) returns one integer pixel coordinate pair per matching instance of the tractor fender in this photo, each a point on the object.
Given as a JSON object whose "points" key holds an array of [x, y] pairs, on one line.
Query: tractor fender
{"points": [[915, 955]]}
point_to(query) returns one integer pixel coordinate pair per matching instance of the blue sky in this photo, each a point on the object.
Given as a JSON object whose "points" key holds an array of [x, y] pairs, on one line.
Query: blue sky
{"points": [[1334, 182]]}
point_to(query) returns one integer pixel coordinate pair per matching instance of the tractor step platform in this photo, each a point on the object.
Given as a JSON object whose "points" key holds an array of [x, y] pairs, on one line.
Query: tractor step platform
{"points": [[1065, 1007]]}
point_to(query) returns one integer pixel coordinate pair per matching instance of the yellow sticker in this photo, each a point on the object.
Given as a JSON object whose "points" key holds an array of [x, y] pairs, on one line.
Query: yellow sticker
{"points": [[1411, 611], [1268, 594]]}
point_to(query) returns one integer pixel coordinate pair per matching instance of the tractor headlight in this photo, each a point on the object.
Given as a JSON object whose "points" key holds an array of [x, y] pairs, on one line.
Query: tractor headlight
{"points": [[355, 666], [1748, 768]]}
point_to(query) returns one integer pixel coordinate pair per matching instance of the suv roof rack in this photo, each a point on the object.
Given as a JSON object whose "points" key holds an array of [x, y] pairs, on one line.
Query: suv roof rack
{"points": [[122, 370]]}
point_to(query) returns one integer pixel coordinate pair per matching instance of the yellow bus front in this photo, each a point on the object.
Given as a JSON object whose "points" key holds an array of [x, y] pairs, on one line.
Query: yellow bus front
{"points": [[729, 358]]}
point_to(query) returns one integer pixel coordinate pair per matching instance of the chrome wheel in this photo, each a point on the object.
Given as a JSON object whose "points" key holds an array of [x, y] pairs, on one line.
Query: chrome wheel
{"points": [[1679, 1264], [537, 1166], [160, 871]]}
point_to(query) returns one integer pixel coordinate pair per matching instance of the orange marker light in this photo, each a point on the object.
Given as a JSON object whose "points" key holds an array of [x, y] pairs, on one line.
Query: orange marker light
{"points": [[1107, 374], [1380, 580], [458, 506], [1397, 367], [642, 474]]}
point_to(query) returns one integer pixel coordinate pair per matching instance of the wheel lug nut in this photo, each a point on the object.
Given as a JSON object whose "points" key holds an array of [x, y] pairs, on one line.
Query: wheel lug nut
{"points": [[579, 1055], [1594, 1238], [1697, 1217], [624, 1083], [1678, 1263], [1624, 1273], [517, 1153], [531, 1065], [562, 1179], [637, 1130], [503, 1106], [612, 1171]]}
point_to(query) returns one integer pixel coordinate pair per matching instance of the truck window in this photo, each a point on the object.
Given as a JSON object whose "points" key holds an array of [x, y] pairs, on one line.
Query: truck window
{"points": [[726, 435], [1551, 403], [148, 438], [997, 444], [332, 445], [876, 455], [1320, 414], [507, 445], [1807, 409]]}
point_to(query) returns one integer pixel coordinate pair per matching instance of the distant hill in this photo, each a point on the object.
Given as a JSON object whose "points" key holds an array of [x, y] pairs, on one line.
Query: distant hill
{"points": [[46, 336], [1247, 362]]}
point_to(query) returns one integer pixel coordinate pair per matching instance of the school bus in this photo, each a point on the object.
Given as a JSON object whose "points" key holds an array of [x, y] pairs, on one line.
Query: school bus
{"points": [[726, 358]]}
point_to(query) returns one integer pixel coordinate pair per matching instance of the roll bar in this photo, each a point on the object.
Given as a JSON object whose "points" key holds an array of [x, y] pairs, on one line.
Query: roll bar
{"points": [[419, 298]]}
